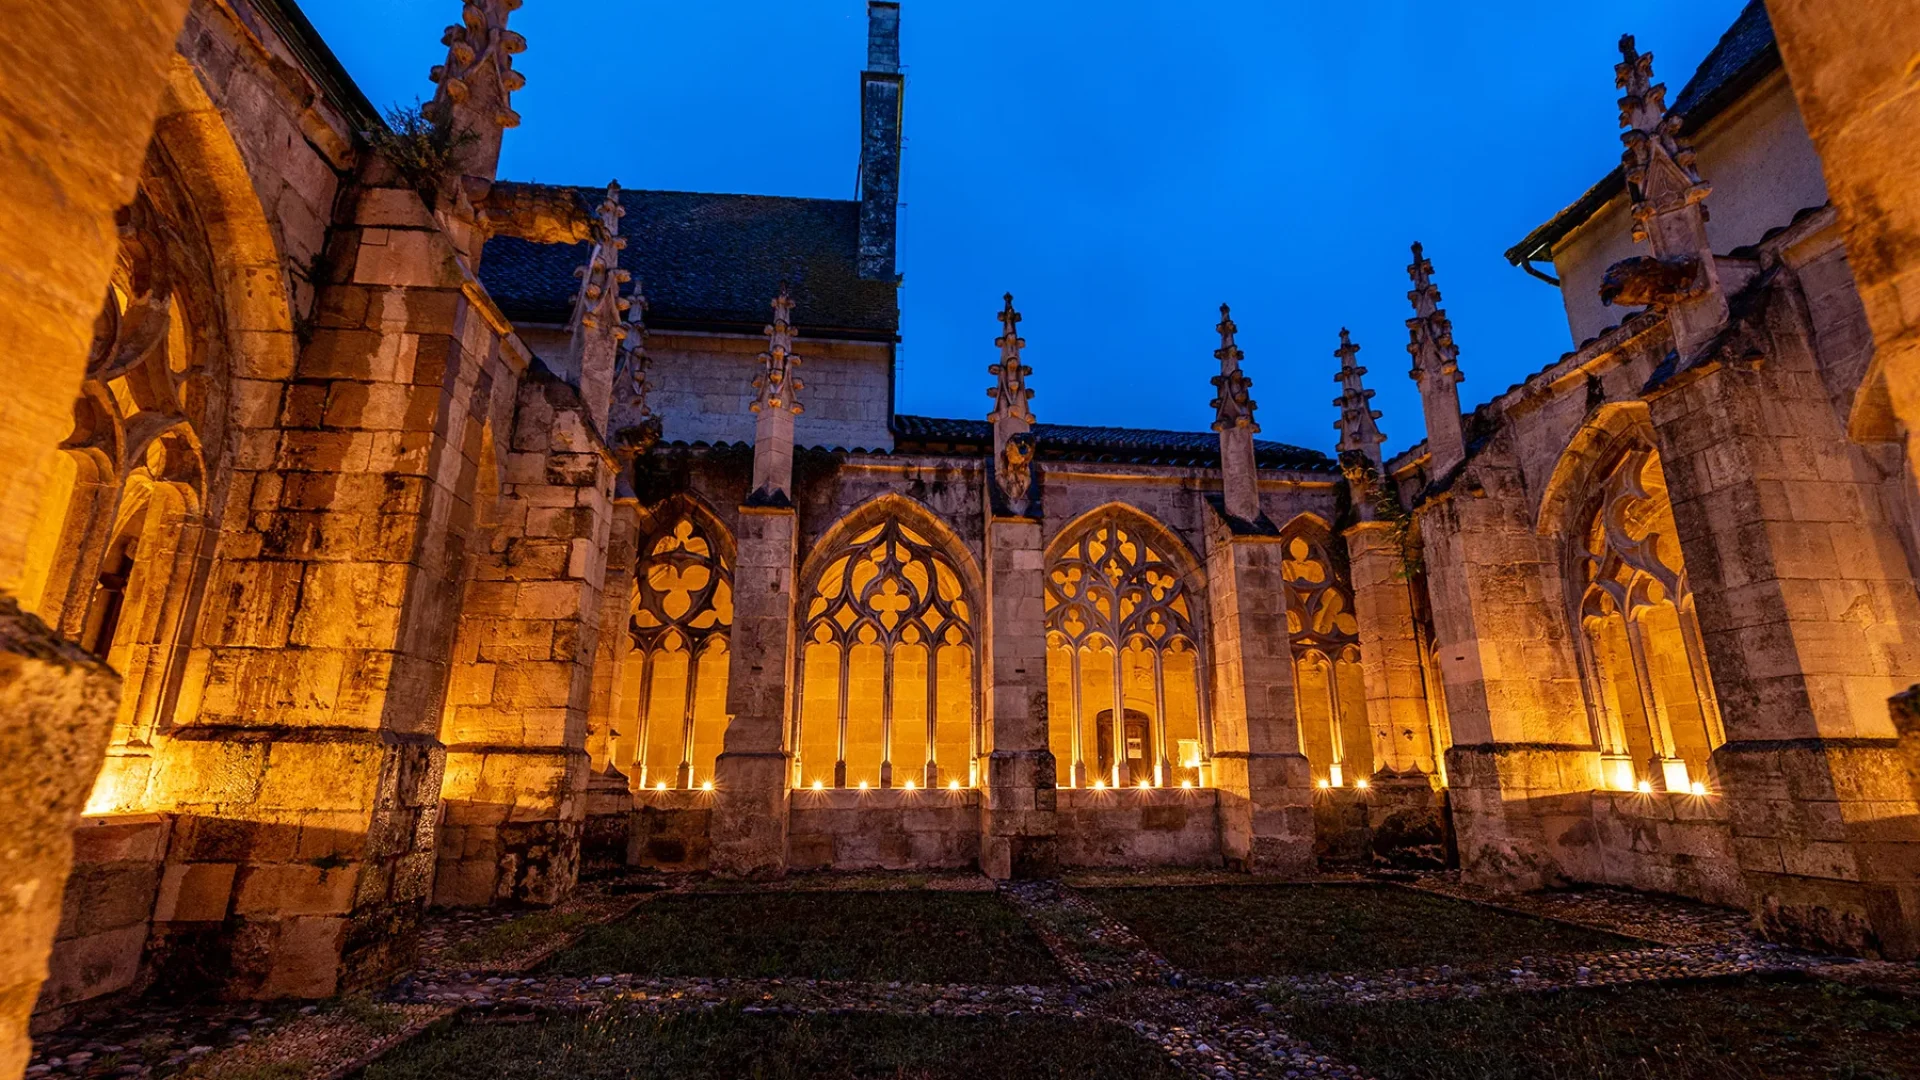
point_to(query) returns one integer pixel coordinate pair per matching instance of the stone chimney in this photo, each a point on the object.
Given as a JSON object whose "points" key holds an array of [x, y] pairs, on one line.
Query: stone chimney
{"points": [[1436, 367], [1011, 417], [1669, 213], [1233, 419], [882, 97], [776, 403], [1358, 432]]}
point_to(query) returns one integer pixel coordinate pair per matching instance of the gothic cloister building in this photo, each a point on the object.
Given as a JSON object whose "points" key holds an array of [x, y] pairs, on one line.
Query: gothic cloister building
{"points": [[383, 533]]}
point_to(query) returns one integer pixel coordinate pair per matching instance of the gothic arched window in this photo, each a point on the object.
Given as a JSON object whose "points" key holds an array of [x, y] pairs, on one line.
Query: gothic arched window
{"points": [[1123, 667], [1645, 669], [682, 614], [888, 667], [1329, 685]]}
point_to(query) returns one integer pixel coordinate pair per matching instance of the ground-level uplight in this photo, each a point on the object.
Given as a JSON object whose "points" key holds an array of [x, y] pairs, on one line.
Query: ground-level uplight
{"points": [[707, 786]]}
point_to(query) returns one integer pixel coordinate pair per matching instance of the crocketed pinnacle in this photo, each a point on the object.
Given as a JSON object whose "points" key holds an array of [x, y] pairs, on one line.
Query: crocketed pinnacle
{"points": [[1233, 402], [599, 305], [1010, 394], [779, 382], [1358, 432], [1661, 173], [1435, 358]]}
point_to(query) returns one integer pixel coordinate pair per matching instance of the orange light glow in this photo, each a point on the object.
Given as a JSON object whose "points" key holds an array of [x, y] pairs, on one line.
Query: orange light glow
{"points": [[953, 785], [819, 785], [863, 785], [907, 786], [1361, 784], [708, 786]]}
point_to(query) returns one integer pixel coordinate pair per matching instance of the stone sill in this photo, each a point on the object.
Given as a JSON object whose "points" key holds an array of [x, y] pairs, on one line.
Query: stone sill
{"points": [[1115, 798], [884, 799]]}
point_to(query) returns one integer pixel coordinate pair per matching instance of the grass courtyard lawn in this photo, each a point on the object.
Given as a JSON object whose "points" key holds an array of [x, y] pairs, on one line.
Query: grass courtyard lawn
{"points": [[726, 1045], [1238, 931], [1747, 1029], [932, 937]]}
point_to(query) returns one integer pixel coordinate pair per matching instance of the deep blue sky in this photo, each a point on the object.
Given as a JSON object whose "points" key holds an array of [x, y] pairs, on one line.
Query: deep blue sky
{"points": [[1122, 166]]}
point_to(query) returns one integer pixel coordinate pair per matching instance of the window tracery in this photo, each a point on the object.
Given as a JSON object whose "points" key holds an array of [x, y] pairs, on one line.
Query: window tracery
{"points": [[889, 668], [1123, 661], [682, 616], [1655, 716], [1329, 685]]}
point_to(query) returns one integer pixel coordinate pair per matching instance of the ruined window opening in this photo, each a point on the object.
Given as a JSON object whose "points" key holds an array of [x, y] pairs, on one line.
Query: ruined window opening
{"points": [[1645, 670], [888, 669], [681, 620], [1123, 663], [1329, 685]]}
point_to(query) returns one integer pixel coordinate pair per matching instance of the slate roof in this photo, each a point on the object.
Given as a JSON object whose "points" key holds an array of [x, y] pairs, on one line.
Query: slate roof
{"points": [[711, 262], [1132, 446], [1746, 54]]}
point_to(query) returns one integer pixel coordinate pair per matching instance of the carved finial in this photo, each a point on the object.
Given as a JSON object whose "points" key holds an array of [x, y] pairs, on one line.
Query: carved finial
{"points": [[1651, 134], [598, 305], [778, 383], [1434, 355], [477, 83], [1010, 395], [1358, 432], [1233, 404], [635, 428]]}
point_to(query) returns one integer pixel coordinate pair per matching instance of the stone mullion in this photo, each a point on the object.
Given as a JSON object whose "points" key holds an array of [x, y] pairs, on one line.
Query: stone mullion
{"points": [[1652, 703], [1611, 732], [1702, 680], [1121, 775], [1163, 769], [649, 658], [842, 693], [886, 713], [1080, 756], [932, 770], [1337, 738], [684, 778]]}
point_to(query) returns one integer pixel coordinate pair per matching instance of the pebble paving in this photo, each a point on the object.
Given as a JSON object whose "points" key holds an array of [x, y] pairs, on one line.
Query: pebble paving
{"points": [[1218, 1029]]}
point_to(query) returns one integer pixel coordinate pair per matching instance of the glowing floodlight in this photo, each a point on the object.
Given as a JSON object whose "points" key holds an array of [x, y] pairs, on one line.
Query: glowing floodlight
{"points": [[908, 785], [1324, 784], [1644, 787], [819, 785], [953, 785], [1186, 783], [863, 785], [1698, 788], [707, 786]]}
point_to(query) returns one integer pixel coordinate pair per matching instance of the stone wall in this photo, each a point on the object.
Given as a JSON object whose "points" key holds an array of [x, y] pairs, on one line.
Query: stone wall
{"points": [[107, 912], [1162, 827], [884, 830]]}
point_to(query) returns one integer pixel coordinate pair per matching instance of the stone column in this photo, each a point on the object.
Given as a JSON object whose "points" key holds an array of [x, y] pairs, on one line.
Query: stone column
{"points": [[1523, 761], [84, 80], [1809, 619], [306, 770], [751, 776], [1852, 69], [516, 730], [1266, 790], [1390, 654], [1018, 814]]}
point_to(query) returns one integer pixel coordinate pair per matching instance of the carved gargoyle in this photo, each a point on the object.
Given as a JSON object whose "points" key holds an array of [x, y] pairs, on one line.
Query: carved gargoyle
{"points": [[1646, 281], [1016, 467]]}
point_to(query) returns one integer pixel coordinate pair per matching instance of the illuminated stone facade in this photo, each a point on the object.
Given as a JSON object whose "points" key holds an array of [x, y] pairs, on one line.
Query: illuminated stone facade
{"points": [[384, 534]]}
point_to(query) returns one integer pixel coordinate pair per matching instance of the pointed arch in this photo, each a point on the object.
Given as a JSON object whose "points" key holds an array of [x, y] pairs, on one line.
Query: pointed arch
{"points": [[680, 622], [1649, 694], [1597, 444], [1329, 685], [910, 512], [890, 638], [1125, 652]]}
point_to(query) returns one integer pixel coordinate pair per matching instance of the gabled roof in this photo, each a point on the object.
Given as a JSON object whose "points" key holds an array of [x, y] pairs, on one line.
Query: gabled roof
{"points": [[1746, 54], [1132, 446], [711, 262]]}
